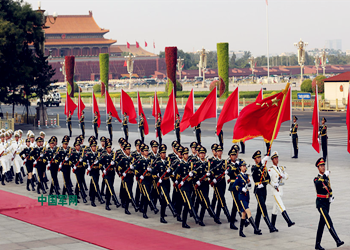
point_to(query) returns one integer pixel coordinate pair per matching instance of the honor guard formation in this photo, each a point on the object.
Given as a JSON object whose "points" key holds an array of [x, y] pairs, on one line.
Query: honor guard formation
{"points": [[180, 181]]}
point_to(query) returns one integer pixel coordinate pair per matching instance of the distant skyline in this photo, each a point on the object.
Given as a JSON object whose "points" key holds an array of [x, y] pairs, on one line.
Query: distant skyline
{"points": [[192, 24]]}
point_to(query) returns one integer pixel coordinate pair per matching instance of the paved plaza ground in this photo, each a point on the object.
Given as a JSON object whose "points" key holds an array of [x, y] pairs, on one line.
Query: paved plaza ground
{"points": [[299, 198]]}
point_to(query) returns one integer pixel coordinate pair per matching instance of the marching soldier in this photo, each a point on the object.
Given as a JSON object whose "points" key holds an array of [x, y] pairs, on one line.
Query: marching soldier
{"points": [[242, 184], [154, 147], [15, 149], [107, 162], [277, 175], [324, 138], [63, 155], [69, 122], [221, 138], [28, 163], [323, 202], [177, 128], [158, 130], [294, 134], [142, 128], [76, 162], [136, 155], [125, 127], [96, 125], [154, 155], [91, 160], [198, 133], [185, 172], [102, 150], [261, 180], [51, 155], [37, 155], [193, 157], [82, 123], [109, 126]]}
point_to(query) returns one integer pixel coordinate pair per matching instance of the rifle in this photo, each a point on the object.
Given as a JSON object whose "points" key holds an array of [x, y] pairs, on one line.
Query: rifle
{"points": [[145, 172], [163, 175], [201, 179], [48, 168], [70, 152], [110, 164], [14, 154], [219, 178], [38, 157], [184, 179], [126, 171], [76, 164]]}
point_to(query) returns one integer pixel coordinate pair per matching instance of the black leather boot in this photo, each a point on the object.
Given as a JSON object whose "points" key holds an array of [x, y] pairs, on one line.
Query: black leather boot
{"points": [[269, 225], [93, 203], [318, 246], [3, 180], [162, 220], [20, 177], [16, 179], [273, 221], [184, 220], [227, 213], [241, 226], [32, 182], [256, 229], [335, 237], [288, 220]]}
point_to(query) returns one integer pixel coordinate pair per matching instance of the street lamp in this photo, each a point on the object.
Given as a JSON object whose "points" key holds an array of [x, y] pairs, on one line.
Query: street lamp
{"points": [[180, 65], [301, 56], [130, 66], [45, 17], [317, 63], [252, 65], [203, 62], [323, 61]]}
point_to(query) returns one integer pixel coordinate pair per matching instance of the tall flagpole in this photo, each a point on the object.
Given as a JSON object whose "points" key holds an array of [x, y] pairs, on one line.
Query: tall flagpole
{"points": [[121, 106], [216, 113], [174, 111], [262, 97], [92, 100], [194, 110], [267, 31], [291, 121], [106, 107]]}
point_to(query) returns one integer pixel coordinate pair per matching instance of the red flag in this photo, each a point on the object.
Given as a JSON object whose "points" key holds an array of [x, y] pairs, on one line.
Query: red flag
{"points": [[103, 88], [145, 44], [222, 86], [168, 122], [188, 112], [128, 45], [260, 97], [96, 109], [348, 120], [137, 45], [156, 108], [127, 106], [316, 124], [154, 45], [229, 110], [125, 64], [110, 107], [139, 105], [81, 106], [267, 3], [260, 119], [69, 106], [206, 110]]}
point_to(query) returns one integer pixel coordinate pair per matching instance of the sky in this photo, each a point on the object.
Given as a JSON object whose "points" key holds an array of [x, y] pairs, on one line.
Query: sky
{"points": [[193, 24]]}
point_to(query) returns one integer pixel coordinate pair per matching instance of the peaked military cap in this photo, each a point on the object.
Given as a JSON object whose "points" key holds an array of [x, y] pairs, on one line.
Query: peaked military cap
{"points": [[257, 154], [154, 143], [198, 147], [320, 162], [127, 146], [174, 143], [185, 151], [27, 140], [103, 139], [138, 142], [193, 144], [109, 144], [218, 148], [180, 149], [274, 155], [295, 117], [39, 139], [91, 138], [162, 148], [242, 163], [65, 139], [324, 119], [214, 146], [235, 147], [93, 143], [232, 152], [202, 150], [145, 148], [76, 143]]}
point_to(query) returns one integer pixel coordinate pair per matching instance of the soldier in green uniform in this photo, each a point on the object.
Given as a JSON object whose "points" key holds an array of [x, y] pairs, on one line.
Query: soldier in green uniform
{"points": [[37, 155], [51, 156], [198, 133], [177, 128], [82, 123], [125, 127], [294, 134], [323, 202], [158, 130], [242, 147], [69, 122], [261, 179], [64, 166], [324, 138], [109, 126], [142, 128], [136, 155], [29, 165], [96, 125]]}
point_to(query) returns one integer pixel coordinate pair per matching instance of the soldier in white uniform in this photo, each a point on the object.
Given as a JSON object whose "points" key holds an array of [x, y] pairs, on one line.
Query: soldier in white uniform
{"points": [[3, 167], [16, 148], [277, 176], [5, 161]]}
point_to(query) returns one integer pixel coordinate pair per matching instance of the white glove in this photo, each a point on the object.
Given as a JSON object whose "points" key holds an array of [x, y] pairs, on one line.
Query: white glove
{"points": [[276, 185], [198, 183], [141, 177], [131, 167], [237, 161], [208, 173], [318, 132], [190, 174], [176, 182], [244, 189], [181, 183], [49, 165], [104, 172], [23, 156], [149, 169], [260, 185], [25, 160], [95, 162], [35, 162], [283, 175], [214, 180], [168, 170], [75, 167], [226, 172], [327, 173], [160, 181], [60, 166], [331, 199], [41, 155], [89, 169], [112, 163], [157, 174], [66, 159], [81, 159], [265, 159], [124, 174]]}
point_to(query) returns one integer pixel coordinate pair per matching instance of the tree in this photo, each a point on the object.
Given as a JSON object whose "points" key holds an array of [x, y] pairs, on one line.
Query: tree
{"points": [[233, 61]]}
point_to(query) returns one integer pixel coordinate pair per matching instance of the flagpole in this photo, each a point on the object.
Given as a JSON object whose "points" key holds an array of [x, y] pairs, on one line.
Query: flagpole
{"points": [[238, 103], [67, 112], [267, 31], [262, 97], [106, 107], [291, 121], [174, 111], [194, 135], [92, 100], [121, 106], [216, 113]]}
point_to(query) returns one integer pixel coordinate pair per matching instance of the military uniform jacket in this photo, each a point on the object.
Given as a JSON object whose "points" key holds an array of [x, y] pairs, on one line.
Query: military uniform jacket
{"points": [[142, 165], [193, 158], [242, 181], [101, 150], [51, 154], [109, 121], [198, 127], [136, 155], [276, 178], [257, 171], [323, 131], [124, 163], [62, 154], [105, 161], [81, 120], [89, 159], [69, 119], [217, 169], [172, 156], [233, 172], [125, 122], [36, 153], [159, 121], [294, 130], [323, 190], [201, 168], [75, 159], [154, 156], [95, 120], [160, 167], [141, 123], [182, 170], [177, 124], [25, 153]]}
